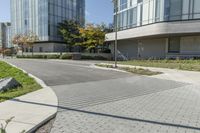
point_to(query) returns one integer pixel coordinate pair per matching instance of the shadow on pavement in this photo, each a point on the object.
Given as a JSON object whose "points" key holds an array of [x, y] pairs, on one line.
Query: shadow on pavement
{"points": [[112, 116]]}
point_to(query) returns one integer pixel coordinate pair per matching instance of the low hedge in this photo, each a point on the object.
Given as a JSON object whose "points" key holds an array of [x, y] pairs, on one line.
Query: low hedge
{"points": [[63, 57], [53, 56], [87, 57], [32, 56], [66, 56], [100, 58]]}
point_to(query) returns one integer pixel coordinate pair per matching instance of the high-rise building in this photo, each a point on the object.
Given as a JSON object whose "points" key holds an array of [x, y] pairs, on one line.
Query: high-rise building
{"points": [[41, 17], [157, 28], [5, 35]]}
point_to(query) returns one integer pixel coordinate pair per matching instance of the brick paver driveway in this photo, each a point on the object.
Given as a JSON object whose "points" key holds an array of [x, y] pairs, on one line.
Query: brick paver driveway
{"points": [[100, 101]]}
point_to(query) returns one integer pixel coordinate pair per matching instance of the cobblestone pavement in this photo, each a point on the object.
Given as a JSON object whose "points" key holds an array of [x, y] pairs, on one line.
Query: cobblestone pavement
{"points": [[170, 111], [126, 105], [91, 93]]}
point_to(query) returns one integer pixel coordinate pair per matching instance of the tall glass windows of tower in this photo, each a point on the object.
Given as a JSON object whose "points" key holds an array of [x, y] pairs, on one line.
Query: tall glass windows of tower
{"points": [[123, 4]]}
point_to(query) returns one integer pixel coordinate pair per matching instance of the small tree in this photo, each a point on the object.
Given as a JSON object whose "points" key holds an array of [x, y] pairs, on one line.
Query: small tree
{"points": [[69, 30], [28, 39], [31, 39], [92, 35], [20, 41]]}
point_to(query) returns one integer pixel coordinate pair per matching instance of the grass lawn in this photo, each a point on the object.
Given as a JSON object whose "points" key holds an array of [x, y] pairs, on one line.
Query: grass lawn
{"points": [[28, 83], [190, 65], [138, 71]]}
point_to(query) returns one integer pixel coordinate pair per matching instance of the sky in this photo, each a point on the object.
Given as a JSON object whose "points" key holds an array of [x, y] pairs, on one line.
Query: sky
{"points": [[97, 11]]}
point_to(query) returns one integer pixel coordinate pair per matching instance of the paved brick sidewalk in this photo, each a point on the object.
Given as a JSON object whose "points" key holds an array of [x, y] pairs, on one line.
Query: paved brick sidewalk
{"points": [[174, 108]]}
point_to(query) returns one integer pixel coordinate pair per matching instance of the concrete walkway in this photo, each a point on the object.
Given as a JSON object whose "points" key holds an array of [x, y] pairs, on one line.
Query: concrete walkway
{"points": [[169, 74], [29, 111]]}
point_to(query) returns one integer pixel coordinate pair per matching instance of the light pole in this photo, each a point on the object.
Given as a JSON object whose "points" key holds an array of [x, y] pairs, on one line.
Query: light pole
{"points": [[116, 29]]}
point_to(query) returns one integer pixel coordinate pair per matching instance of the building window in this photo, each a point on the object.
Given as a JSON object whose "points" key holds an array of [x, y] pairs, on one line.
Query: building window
{"points": [[145, 13], [174, 45], [132, 17], [150, 11], [123, 4], [133, 3], [196, 9], [175, 9]]}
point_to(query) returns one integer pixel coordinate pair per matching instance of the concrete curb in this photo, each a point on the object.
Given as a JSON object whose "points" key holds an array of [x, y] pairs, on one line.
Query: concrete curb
{"points": [[191, 77], [44, 86], [108, 69]]}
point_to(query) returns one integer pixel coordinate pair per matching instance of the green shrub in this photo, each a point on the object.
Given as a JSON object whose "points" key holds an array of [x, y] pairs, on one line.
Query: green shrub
{"points": [[87, 57], [31, 56], [66, 56], [100, 58], [53, 56], [39, 56], [19, 56]]}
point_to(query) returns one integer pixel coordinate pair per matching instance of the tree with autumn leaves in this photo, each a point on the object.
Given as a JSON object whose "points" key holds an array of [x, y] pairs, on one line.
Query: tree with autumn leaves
{"points": [[90, 37], [25, 40]]}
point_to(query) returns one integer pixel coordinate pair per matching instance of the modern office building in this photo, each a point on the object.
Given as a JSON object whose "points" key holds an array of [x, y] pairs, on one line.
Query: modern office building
{"points": [[5, 35], [157, 28], [41, 17]]}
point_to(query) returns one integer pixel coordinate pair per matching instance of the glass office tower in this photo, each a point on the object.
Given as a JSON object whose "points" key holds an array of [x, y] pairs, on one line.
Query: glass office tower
{"points": [[42, 16], [133, 13]]}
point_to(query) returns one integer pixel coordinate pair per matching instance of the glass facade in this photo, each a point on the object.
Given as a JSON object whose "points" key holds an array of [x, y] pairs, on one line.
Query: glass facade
{"points": [[42, 16], [134, 13]]}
